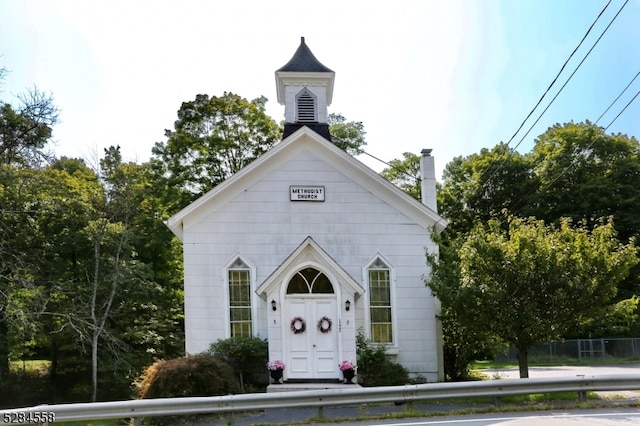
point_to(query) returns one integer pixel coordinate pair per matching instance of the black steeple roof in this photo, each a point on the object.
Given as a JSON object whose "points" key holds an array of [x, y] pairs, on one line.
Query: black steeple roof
{"points": [[304, 61]]}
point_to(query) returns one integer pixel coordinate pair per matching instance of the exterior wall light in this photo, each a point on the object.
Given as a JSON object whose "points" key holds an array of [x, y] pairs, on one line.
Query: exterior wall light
{"points": [[273, 305], [347, 305]]}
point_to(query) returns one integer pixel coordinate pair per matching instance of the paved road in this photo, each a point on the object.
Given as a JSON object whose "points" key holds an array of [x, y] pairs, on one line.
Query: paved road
{"points": [[599, 417], [565, 371], [589, 417]]}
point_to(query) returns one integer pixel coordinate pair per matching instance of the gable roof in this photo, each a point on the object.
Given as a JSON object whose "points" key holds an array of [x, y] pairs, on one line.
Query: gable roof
{"points": [[310, 253], [278, 154]]}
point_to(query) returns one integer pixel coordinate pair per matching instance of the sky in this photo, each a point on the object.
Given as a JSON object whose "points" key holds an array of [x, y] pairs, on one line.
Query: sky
{"points": [[455, 76]]}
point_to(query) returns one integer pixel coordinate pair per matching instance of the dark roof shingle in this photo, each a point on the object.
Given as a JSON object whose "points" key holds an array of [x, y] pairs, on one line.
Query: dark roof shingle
{"points": [[304, 61]]}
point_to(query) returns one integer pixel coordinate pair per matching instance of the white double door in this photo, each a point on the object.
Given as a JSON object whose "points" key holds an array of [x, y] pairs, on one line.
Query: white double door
{"points": [[312, 353]]}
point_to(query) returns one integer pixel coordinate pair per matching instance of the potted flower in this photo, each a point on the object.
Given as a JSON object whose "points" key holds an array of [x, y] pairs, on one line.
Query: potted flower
{"points": [[275, 370], [348, 371]]}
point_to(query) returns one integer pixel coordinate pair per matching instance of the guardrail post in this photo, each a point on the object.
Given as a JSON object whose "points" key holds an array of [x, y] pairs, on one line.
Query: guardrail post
{"points": [[582, 394], [321, 412], [137, 421]]}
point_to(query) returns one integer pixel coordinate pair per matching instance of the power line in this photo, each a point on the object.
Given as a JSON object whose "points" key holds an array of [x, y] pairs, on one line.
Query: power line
{"points": [[553, 82], [616, 99], [623, 109], [566, 169], [391, 166], [563, 86], [562, 69]]}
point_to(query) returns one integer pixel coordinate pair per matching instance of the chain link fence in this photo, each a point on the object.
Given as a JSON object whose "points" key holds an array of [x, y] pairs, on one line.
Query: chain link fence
{"points": [[581, 350]]}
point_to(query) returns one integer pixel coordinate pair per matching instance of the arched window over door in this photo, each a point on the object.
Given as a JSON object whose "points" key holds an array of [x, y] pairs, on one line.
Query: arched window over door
{"points": [[309, 281]]}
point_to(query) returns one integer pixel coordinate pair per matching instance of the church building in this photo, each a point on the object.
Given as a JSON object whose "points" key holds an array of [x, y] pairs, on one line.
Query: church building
{"points": [[307, 247]]}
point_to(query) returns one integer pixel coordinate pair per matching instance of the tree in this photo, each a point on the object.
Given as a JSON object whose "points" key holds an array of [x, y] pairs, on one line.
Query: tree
{"points": [[346, 135], [463, 343], [24, 133], [25, 130], [405, 174], [212, 139], [484, 186], [586, 174], [527, 282]]}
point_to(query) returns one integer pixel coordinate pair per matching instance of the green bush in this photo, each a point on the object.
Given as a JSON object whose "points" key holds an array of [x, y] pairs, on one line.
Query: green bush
{"points": [[374, 366], [24, 388], [246, 355], [197, 375]]}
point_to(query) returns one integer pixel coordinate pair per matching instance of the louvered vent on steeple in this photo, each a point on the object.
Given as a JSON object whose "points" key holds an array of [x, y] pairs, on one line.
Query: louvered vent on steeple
{"points": [[306, 107], [305, 88]]}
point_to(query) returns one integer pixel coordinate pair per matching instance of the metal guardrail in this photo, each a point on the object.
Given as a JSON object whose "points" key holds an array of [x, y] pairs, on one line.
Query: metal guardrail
{"points": [[138, 409]]}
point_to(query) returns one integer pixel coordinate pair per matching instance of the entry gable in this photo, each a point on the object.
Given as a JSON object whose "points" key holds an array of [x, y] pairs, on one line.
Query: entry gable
{"points": [[309, 253]]}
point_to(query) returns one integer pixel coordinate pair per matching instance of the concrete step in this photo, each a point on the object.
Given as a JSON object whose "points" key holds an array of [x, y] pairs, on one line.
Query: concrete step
{"points": [[301, 386]]}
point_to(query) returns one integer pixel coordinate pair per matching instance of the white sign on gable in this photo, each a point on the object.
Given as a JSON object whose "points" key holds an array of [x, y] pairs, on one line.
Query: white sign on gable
{"points": [[306, 193]]}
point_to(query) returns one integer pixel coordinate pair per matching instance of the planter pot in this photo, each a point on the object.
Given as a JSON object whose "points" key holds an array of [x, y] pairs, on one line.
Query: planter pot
{"points": [[348, 376], [276, 375]]}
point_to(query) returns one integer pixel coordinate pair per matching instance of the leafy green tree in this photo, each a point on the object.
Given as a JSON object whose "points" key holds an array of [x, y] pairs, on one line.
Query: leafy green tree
{"points": [[24, 132], [347, 135], [484, 186], [528, 283], [405, 174], [26, 129], [213, 138], [586, 174], [463, 343]]}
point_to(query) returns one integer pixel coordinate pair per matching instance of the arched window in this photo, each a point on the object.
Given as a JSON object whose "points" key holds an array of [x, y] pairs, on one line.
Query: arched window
{"points": [[306, 107], [239, 276], [309, 280], [380, 311]]}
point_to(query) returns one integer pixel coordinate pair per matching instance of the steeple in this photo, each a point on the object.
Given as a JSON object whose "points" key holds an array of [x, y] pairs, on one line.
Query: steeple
{"points": [[305, 88]]}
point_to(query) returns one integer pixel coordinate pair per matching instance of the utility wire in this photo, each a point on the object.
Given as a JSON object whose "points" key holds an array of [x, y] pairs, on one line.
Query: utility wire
{"points": [[416, 178], [616, 99], [573, 73], [623, 109], [566, 169], [562, 88], [562, 69]]}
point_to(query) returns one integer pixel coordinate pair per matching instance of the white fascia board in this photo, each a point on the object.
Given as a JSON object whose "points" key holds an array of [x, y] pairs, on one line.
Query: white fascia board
{"points": [[309, 249], [278, 154], [303, 78]]}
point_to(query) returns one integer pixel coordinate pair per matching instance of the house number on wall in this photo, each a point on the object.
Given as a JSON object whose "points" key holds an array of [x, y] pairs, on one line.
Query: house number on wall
{"points": [[306, 193]]}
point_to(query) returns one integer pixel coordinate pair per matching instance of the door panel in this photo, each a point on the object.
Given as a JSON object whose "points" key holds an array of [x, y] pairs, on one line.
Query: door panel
{"points": [[313, 354], [325, 355], [299, 344]]}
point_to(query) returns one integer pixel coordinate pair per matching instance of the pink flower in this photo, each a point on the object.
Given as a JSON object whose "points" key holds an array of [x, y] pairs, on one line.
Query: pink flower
{"points": [[275, 365], [347, 365]]}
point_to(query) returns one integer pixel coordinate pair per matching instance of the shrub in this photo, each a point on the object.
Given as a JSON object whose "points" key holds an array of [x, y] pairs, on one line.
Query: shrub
{"points": [[197, 375], [375, 368], [24, 388], [246, 355]]}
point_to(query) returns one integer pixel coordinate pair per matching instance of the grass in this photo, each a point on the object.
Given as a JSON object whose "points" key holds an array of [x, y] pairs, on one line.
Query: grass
{"points": [[95, 423], [36, 365]]}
